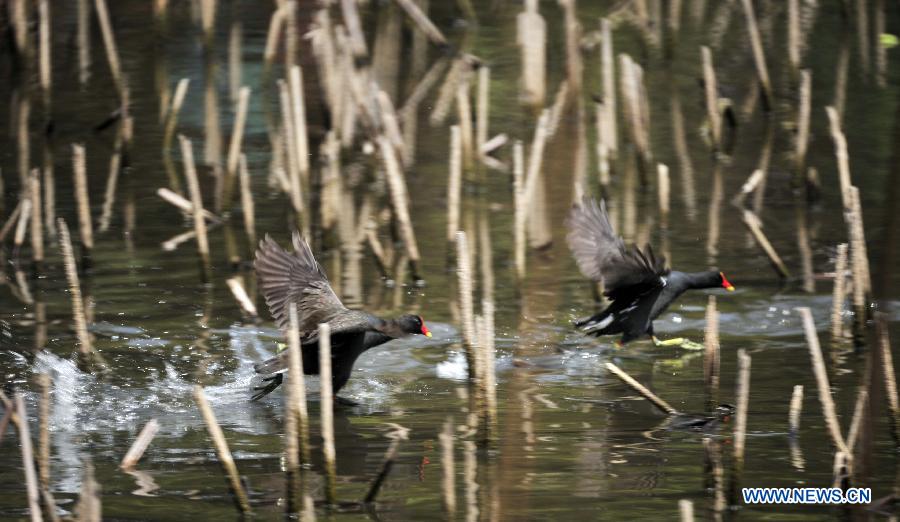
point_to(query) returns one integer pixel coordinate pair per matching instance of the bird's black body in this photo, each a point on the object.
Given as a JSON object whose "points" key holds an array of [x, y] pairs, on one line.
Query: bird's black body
{"points": [[297, 278], [636, 281]]}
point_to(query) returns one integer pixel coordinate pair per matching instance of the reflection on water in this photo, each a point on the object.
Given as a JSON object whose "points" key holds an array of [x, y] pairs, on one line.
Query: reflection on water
{"points": [[571, 441]]}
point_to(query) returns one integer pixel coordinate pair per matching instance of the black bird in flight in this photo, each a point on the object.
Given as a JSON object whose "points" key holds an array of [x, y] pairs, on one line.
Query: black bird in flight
{"points": [[296, 277], [636, 281]]}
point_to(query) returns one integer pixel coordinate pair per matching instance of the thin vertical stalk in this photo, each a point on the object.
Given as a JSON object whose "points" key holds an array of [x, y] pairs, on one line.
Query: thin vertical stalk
{"points": [[221, 445], [85, 347], [31, 482], [81, 197], [454, 185], [190, 172], [327, 410]]}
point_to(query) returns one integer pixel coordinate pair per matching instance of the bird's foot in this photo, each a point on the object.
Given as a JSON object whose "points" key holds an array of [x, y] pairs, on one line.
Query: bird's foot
{"points": [[618, 344], [687, 344], [343, 401], [280, 347], [272, 382]]}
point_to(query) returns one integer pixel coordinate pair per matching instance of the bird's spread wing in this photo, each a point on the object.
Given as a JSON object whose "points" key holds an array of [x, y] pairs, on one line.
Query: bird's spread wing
{"points": [[602, 255], [287, 277]]}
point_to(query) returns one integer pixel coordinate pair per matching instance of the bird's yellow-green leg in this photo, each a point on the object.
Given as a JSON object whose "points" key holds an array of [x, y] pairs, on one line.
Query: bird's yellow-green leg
{"points": [[687, 344], [618, 344], [280, 347]]}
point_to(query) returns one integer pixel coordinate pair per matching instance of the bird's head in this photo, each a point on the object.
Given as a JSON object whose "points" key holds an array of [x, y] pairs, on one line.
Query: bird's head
{"points": [[413, 324], [725, 284]]}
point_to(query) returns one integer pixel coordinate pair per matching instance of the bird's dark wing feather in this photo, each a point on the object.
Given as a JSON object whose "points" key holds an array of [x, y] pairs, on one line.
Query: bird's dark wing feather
{"points": [[629, 316], [297, 277], [602, 255]]}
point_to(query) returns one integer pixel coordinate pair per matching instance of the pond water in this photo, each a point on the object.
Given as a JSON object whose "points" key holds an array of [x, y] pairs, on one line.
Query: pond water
{"points": [[572, 442]]}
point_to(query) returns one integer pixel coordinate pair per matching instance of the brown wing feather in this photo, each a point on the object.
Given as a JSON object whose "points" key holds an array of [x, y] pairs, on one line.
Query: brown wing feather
{"points": [[602, 255], [287, 277]]}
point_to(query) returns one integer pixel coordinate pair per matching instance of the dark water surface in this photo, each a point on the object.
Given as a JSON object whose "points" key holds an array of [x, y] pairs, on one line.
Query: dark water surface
{"points": [[573, 443]]}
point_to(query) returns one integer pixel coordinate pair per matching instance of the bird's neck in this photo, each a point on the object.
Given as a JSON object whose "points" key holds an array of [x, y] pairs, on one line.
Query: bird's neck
{"points": [[708, 279]]}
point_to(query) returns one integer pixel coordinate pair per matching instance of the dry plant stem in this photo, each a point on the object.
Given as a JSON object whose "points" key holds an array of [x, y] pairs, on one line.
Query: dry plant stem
{"points": [[140, 445], [711, 90], [240, 294], [248, 209], [88, 508], [840, 151], [31, 481], [759, 58], [859, 257], [357, 40], [793, 30], [890, 382], [535, 159], [237, 138], [13, 218], [184, 204], [298, 111], [290, 147], [640, 388], [448, 469], [803, 121], [796, 409], [753, 224], [44, 52], [531, 36], [327, 408], [609, 86], [482, 109], [225, 458], [519, 210], [489, 380], [297, 385], [109, 195], [454, 185], [172, 116], [686, 508], [818, 364], [44, 434], [37, 224], [399, 198], [837, 296], [742, 398], [109, 42], [85, 347], [464, 111], [81, 197], [190, 172], [663, 190], [272, 37], [464, 275], [711, 354], [423, 22], [862, 399]]}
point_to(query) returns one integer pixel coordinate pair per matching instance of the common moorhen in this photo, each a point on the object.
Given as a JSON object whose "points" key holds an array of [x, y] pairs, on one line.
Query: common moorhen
{"points": [[636, 281], [296, 277]]}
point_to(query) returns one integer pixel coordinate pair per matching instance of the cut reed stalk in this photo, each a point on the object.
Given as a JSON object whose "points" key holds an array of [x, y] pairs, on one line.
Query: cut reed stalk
{"points": [[448, 469], [609, 86], [448, 90], [109, 43], [357, 39], [297, 386], [662, 405], [88, 508], [44, 383], [754, 225], [663, 191], [519, 204], [272, 37], [400, 200], [600, 115], [890, 381], [818, 364], [112, 181], [686, 508], [795, 410], [248, 209], [234, 147], [711, 354], [140, 445], [298, 111], [184, 204], [81, 197], [44, 54], [711, 90], [759, 57], [489, 379], [171, 120], [291, 148], [482, 109], [840, 152], [793, 35], [31, 481], [742, 400], [190, 172], [208, 19], [13, 218], [454, 185], [862, 399], [574, 65], [22, 225], [464, 280], [803, 122], [464, 114], [631, 85], [235, 43], [85, 347], [236, 285], [859, 262], [18, 14], [558, 108], [37, 224], [23, 141], [327, 410], [531, 36], [224, 454], [838, 293], [423, 22]]}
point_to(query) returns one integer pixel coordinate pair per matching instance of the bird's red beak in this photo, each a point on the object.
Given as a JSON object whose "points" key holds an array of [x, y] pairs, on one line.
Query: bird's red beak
{"points": [[725, 284], [425, 331]]}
